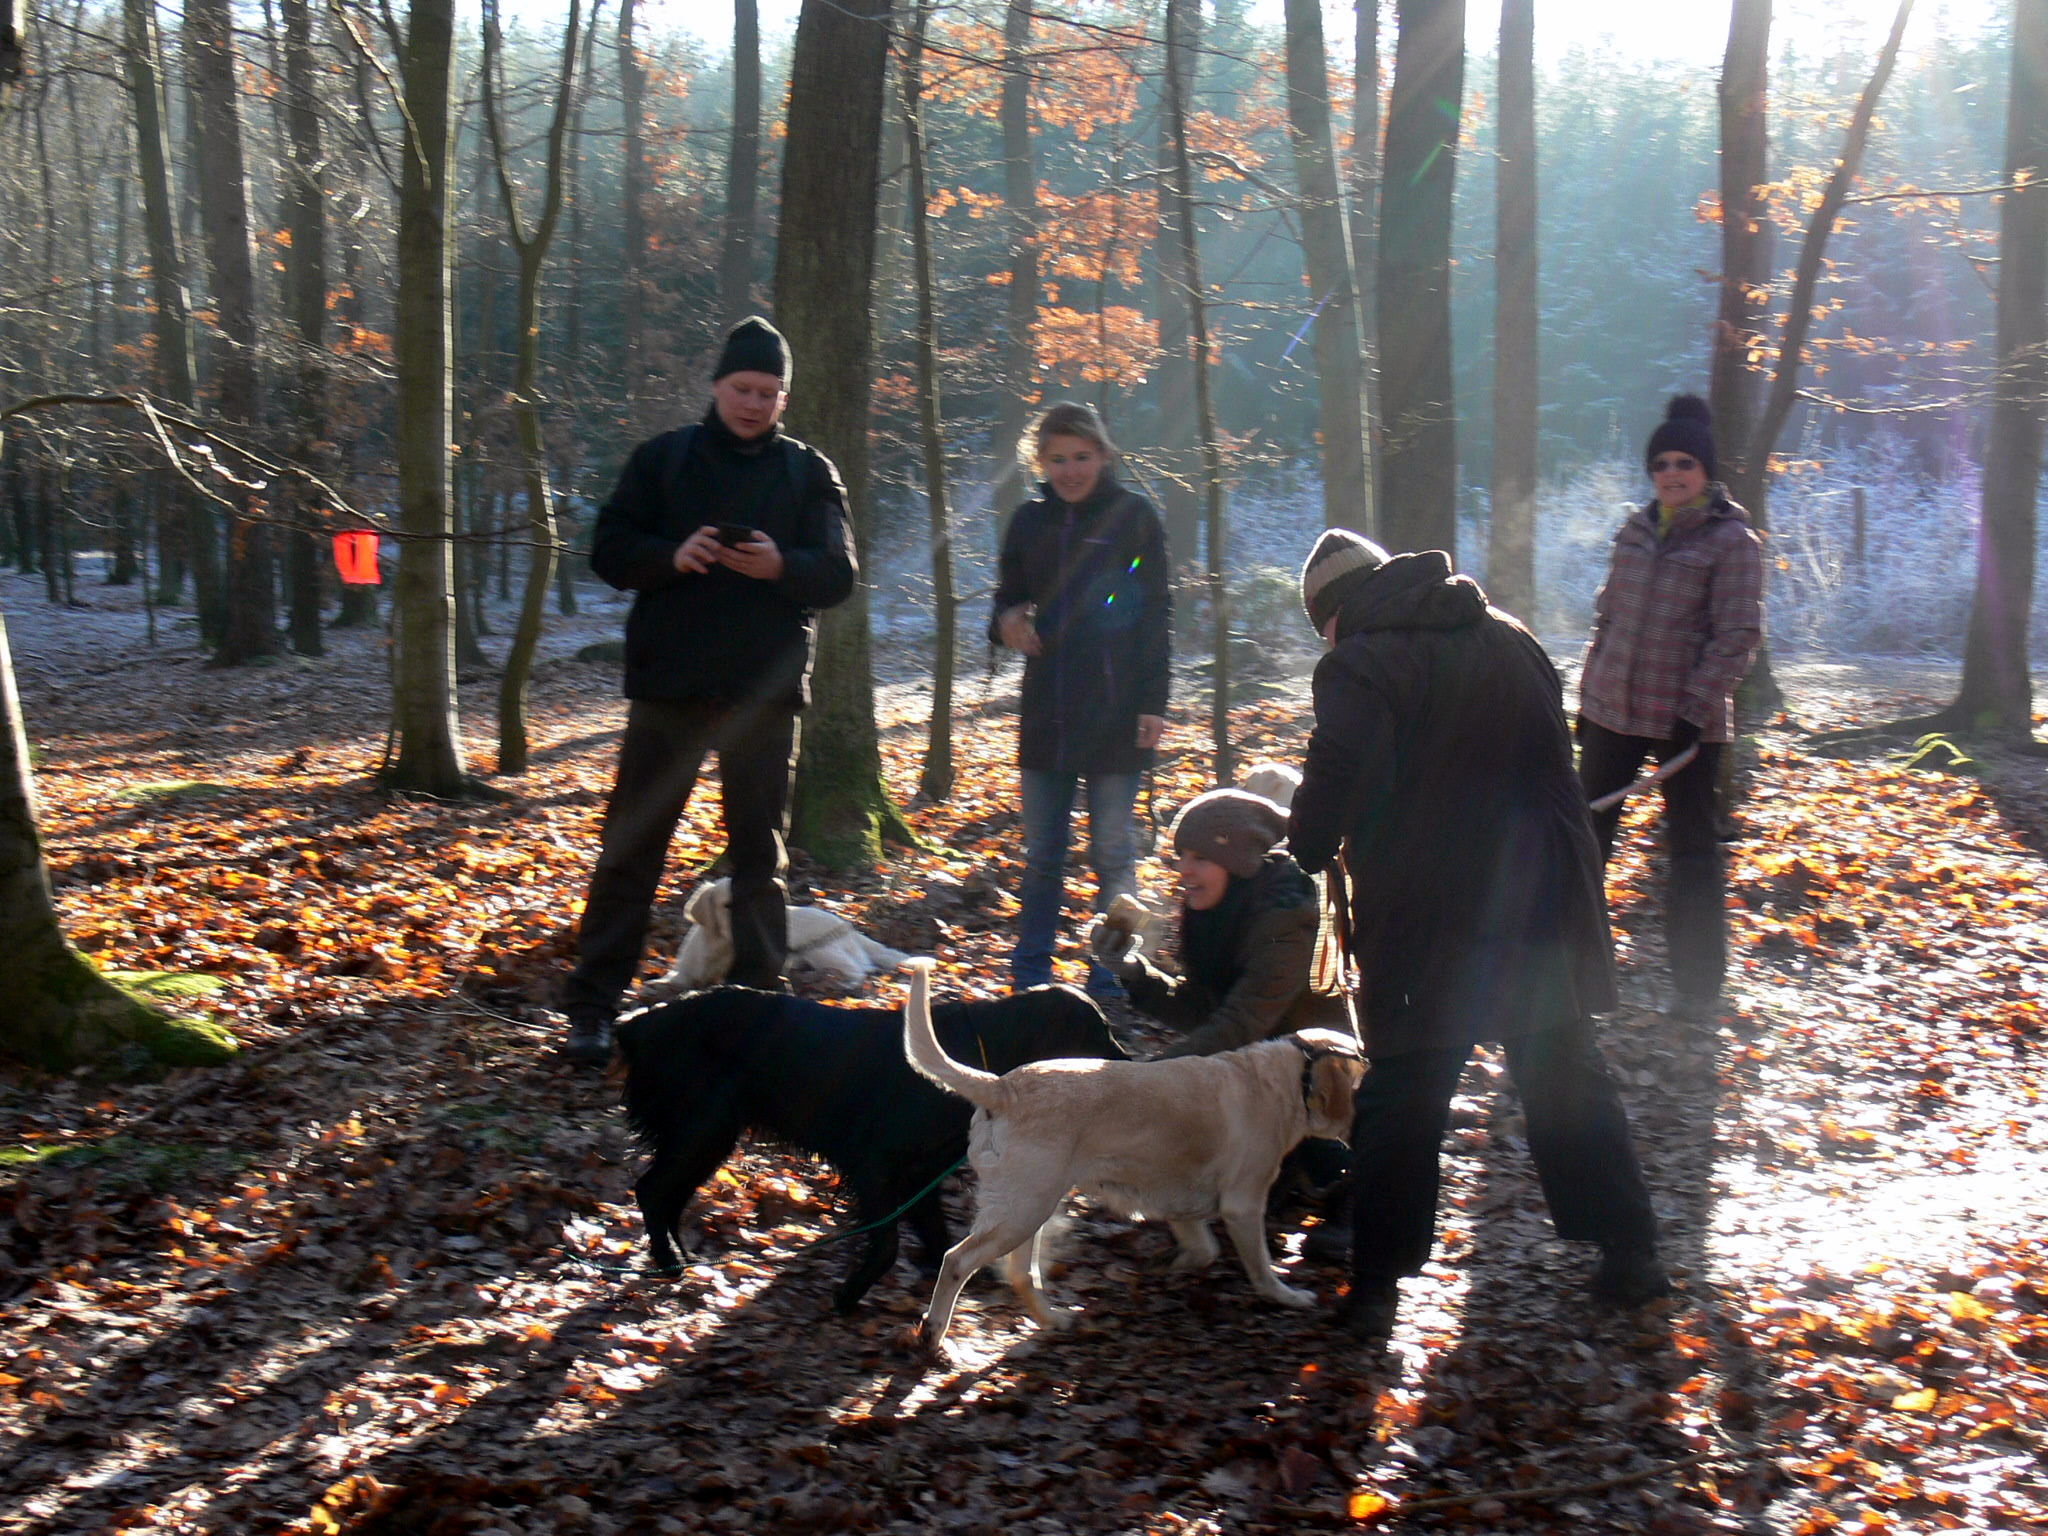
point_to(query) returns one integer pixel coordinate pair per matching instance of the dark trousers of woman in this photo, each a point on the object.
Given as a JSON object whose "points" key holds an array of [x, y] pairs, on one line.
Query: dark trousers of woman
{"points": [[1695, 915], [1578, 1139], [659, 759]]}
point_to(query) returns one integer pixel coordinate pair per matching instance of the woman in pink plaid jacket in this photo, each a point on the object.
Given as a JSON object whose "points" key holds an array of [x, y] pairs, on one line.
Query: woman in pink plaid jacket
{"points": [[1675, 627]]}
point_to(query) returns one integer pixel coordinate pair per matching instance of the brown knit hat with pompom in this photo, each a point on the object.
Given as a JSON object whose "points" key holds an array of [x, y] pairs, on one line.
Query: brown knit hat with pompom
{"points": [[1231, 827]]}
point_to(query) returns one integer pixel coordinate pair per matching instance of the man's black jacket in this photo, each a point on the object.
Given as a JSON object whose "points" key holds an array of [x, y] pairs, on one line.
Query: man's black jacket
{"points": [[717, 635]]}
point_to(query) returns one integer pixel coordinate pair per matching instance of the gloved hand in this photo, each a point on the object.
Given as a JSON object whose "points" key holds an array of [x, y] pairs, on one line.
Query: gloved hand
{"points": [[1115, 948], [1683, 733]]}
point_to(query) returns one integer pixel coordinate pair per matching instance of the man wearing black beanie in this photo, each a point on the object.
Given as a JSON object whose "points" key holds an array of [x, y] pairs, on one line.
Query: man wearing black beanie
{"points": [[730, 535]]}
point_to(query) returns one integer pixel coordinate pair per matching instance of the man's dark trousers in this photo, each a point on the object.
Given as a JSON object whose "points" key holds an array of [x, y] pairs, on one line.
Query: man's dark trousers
{"points": [[1695, 916], [663, 751], [1578, 1139]]}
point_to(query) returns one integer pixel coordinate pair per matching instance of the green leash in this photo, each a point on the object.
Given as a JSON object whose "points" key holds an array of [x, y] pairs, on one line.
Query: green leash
{"points": [[642, 1272], [895, 1215]]}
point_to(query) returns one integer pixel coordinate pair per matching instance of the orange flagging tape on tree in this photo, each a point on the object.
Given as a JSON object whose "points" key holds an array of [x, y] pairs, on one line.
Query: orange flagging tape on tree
{"points": [[355, 556]]}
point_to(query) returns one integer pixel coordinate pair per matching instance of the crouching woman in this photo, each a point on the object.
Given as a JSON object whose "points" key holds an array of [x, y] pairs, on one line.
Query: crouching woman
{"points": [[1248, 929]]}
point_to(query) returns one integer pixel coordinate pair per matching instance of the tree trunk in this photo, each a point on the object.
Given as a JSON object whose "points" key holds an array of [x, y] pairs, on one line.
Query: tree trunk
{"points": [[127, 533], [1419, 467], [1745, 250], [13, 42], [251, 631], [1326, 252], [1806, 276], [1734, 386], [572, 337], [936, 782], [305, 218], [633, 195], [429, 739], [1018, 366], [1511, 533], [824, 273], [1177, 456], [1180, 70], [198, 548], [532, 251], [1365, 224], [743, 168], [1996, 697], [56, 1011]]}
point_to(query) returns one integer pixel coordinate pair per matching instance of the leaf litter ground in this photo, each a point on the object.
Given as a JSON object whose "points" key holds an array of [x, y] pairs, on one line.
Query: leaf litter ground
{"points": [[380, 1276]]}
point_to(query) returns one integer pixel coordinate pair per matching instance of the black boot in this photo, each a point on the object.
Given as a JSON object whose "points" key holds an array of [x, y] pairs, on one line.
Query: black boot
{"points": [[1328, 1242], [589, 1043], [1628, 1277], [1368, 1312]]}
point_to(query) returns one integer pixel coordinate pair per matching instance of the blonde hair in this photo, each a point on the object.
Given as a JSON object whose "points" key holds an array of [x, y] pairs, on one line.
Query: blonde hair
{"points": [[1069, 418]]}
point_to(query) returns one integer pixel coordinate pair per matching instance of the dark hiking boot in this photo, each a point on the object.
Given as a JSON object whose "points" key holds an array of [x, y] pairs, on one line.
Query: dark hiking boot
{"points": [[1696, 1007], [1628, 1277], [1368, 1312], [1328, 1242], [589, 1041]]}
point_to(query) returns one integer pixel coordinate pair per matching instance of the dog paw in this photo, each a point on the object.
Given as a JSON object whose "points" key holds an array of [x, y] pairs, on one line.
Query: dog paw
{"points": [[1059, 1319], [1189, 1261], [1292, 1296]]}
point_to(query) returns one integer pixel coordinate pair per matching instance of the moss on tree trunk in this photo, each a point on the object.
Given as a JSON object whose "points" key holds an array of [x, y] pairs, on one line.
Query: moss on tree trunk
{"points": [[55, 1009]]}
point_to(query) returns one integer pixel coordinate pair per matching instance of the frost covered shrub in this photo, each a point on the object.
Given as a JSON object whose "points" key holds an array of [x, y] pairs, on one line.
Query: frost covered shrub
{"points": [[1576, 516], [1904, 589]]}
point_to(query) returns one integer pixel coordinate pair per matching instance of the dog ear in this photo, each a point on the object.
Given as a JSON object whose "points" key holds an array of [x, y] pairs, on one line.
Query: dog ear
{"points": [[1335, 1081], [710, 907]]}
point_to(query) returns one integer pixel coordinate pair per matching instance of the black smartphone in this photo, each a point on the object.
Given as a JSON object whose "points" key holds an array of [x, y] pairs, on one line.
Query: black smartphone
{"points": [[734, 533]]}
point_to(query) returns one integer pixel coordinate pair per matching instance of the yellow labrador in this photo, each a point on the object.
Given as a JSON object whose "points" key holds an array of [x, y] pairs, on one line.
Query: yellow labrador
{"points": [[1178, 1141]]}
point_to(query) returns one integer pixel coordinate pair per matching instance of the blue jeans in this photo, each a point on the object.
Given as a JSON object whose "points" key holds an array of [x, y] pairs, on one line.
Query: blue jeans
{"points": [[1112, 854]]}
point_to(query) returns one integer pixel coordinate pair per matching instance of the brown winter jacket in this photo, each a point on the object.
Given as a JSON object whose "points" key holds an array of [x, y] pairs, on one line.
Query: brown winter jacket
{"points": [[1273, 957], [1676, 624], [1441, 765]]}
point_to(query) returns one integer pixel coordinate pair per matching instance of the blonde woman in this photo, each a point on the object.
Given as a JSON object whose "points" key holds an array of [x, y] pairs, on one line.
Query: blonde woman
{"points": [[1082, 593]]}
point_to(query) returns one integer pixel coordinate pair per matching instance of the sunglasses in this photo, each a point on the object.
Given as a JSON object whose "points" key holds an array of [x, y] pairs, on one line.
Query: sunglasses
{"points": [[1673, 461]]}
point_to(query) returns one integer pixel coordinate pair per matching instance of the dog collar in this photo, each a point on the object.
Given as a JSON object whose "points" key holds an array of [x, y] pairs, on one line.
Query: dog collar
{"points": [[1309, 1057]]}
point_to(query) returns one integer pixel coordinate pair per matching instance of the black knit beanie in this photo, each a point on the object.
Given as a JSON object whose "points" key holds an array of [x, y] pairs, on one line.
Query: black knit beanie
{"points": [[1339, 562], [1687, 427], [754, 346], [1231, 827]]}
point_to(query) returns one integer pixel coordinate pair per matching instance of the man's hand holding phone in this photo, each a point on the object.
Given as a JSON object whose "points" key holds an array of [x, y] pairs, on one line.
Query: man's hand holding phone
{"points": [[748, 551], [736, 546], [699, 552]]}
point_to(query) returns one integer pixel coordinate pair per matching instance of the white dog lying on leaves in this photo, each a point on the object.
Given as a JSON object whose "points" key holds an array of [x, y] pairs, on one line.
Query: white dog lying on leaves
{"points": [[821, 944], [1180, 1141]]}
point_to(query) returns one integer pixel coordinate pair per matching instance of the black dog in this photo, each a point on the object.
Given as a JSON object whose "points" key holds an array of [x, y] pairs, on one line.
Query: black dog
{"points": [[832, 1082]]}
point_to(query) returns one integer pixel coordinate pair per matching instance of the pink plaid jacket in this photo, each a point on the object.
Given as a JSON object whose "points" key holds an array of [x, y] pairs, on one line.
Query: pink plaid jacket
{"points": [[1677, 623]]}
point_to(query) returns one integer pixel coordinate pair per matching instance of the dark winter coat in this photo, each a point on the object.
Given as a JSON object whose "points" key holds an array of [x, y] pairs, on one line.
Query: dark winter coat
{"points": [[1097, 572], [1260, 984], [1442, 766], [1676, 624], [717, 635]]}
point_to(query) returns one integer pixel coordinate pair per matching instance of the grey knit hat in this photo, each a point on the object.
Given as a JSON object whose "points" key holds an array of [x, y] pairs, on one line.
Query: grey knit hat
{"points": [[754, 346], [1340, 560], [1231, 827]]}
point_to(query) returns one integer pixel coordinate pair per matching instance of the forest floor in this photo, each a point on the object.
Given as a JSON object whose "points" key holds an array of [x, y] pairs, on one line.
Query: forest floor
{"points": [[380, 1274]]}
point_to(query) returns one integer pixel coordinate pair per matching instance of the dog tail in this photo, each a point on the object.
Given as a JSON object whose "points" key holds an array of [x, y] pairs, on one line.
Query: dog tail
{"points": [[921, 1045]]}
